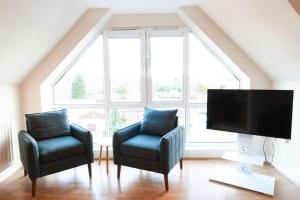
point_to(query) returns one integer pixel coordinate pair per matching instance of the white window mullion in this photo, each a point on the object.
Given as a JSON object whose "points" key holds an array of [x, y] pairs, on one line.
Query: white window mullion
{"points": [[106, 69], [114, 38], [186, 85], [187, 126], [107, 128], [170, 35], [107, 83], [148, 69], [186, 68], [144, 57]]}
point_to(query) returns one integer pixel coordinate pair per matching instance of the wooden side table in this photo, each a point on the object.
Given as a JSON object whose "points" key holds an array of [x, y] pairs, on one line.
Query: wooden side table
{"points": [[105, 142]]}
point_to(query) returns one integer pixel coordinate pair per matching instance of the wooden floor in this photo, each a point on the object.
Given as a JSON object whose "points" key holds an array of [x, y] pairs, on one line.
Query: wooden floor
{"points": [[190, 183], [3, 167]]}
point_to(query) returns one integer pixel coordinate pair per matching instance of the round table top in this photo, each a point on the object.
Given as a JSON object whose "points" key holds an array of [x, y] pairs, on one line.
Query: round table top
{"points": [[105, 141]]}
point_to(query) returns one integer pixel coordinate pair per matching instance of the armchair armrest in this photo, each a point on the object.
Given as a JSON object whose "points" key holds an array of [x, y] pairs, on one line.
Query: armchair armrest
{"points": [[29, 154], [121, 136], [86, 138], [171, 150]]}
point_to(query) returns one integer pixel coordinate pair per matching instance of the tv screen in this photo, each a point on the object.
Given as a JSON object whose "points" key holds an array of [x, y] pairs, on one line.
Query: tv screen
{"points": [[258, 112]]}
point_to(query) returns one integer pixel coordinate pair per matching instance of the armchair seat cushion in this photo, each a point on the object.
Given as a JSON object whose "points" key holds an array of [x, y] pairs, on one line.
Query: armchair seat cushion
{"points": [[142, 146], [59, 148]]}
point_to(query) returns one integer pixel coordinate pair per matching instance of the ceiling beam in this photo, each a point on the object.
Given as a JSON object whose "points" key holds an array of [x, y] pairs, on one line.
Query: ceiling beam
{"points": [[296, 5]]}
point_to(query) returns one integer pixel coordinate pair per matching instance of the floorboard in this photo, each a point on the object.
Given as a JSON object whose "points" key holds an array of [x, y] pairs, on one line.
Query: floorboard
{"points": [[190, 183]]}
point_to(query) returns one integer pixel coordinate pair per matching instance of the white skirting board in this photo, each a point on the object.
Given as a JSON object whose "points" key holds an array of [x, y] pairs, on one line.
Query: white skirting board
{"points": [[10, 171], [255, 182]]}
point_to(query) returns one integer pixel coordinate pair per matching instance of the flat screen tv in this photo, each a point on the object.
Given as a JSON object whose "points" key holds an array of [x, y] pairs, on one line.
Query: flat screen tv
{"points": [[258, 112]]}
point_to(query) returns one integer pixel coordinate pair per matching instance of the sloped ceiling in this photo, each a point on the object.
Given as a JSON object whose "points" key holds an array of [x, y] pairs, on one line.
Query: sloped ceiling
{"points": [[29, 30], [268, 31], [140, 6], [296, 5]]}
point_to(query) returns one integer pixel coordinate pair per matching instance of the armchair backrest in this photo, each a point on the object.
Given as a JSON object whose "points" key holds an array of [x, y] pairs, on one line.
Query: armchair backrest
{"points": [[176, 122], [158, 122], [48, 124]]}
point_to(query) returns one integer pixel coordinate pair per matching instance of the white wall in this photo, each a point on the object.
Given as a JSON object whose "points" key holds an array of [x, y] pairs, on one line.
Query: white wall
{"points": [[57, 59], [144, 20], [224, 46], [266, 30], [287, 154], [10, 112], [29, 30]]}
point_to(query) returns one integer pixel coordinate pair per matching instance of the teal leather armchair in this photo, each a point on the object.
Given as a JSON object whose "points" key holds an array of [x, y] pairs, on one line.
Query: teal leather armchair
{"points": [[156, 144], [51, 145]]}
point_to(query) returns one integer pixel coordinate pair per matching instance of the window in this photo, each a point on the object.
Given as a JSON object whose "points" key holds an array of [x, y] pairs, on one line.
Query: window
{"points": [[122, 72], [120, 117], [206, 71], [93, 119], [125, 69], [167, 67], [198, 132], [84, 81]]}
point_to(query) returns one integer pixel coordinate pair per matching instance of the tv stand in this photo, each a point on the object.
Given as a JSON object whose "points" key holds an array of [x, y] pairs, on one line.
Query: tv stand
{"points": [[242, 175]]}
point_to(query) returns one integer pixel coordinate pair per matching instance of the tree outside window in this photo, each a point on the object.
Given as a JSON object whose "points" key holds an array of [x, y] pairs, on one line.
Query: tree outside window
{"points": [[78, 88], [117, 120]]}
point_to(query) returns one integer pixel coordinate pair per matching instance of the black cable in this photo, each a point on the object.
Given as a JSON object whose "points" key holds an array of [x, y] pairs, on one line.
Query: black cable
{"points": [[273, 152], [265, 151]]}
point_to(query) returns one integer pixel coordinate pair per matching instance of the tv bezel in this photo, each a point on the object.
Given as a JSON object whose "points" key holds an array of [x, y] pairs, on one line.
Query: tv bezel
{"points": [[248, 132]]}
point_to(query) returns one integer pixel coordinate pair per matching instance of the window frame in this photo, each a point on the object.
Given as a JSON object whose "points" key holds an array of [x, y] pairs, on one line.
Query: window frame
{"points": [[145, 77], [68, 68], [167, 33], [124, 34]]}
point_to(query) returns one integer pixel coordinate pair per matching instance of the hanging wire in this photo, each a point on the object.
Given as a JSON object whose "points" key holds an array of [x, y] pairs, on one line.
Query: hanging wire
{"points": [[264, 149], [273, 152]]}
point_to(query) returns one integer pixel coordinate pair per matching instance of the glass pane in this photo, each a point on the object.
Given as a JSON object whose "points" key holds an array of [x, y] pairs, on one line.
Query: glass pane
{"points": [[84, 82], [206, 71], [167, 68], [92, 119], [125, 69], [199, 133], [120, 118]]}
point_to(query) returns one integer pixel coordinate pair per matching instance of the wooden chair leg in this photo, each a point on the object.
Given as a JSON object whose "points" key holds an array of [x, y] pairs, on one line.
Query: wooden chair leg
{"points": [[100, 154], [180, 163], [166, 182], [90, 170], [25, 173], [107, 160], [33, 189], [119, 171]]}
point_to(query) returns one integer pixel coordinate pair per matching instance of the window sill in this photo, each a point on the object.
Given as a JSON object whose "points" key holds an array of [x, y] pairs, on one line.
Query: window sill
{"points": [[207, 152], [190, 152]]}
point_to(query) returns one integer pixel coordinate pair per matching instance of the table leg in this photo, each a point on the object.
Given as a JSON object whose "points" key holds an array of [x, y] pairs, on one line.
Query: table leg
{"points": [[107, 159], [100, 154]]}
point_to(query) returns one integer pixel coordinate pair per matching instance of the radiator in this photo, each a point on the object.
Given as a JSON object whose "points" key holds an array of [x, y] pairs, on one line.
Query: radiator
{"points": [[6, 146]]}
